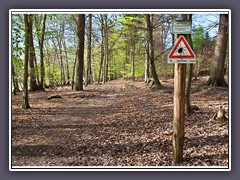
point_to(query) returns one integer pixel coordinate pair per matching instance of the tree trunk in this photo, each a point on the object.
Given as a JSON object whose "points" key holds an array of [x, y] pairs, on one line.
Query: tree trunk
{"points": [[25, 102], [66, 54], [32, 59], [37, 72], [146, 59], [133, 57], [100, 77], [147, 65], [42, 81], [151, 56], [63, 79], [217, 71], [106, 48], [89, 70], [48, 63], [80, 61], [190, 74], [74, 68], [14, 80]]}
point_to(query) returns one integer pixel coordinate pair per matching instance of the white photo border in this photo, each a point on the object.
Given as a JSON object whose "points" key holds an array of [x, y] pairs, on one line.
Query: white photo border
{"points": [[118, 168]]}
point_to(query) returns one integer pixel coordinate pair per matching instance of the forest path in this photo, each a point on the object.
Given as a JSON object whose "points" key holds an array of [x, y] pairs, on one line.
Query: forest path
{"points": [[116, 123]]}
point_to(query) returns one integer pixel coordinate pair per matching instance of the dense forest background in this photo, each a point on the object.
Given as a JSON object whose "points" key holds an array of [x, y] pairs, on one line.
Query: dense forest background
{"points": [[115, 46]]}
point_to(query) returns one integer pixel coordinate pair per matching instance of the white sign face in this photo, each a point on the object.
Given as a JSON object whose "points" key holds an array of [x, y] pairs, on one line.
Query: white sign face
{"points": [[181, 52]]}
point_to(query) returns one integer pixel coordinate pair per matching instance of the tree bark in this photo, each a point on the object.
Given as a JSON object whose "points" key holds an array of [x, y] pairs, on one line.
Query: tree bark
{"points": [[66, 53], [100, 77], [217, 71], [25, 102], [89, 70], [80, 61], [133, 57], [32, 59], [63, 79], [74, 68], [190, 74], [42, 79], [146, 59], [151, 56], [14, 80]]}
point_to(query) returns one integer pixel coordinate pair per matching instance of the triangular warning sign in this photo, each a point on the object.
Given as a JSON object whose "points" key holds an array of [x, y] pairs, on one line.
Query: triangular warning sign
{"points": [[181, 50]]}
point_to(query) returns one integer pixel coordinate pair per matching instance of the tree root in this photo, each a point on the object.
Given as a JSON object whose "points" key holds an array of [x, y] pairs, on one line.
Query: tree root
{"points": [[220, 116]]}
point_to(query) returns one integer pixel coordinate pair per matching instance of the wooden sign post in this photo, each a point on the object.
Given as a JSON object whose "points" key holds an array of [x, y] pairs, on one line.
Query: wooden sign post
{"points": [[179, 115], [180, 55]]}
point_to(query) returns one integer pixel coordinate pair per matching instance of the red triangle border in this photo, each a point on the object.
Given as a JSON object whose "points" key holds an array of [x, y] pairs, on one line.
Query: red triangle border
{"points": [[191, 56]]}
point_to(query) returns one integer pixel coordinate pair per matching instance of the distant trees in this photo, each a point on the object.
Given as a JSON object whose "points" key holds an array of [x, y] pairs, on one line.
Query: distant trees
{"points": [[203, 47], [117, 45], [40, 35]]}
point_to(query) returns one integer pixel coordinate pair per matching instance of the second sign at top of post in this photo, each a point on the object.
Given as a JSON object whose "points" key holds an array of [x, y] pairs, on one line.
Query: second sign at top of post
{"points": [[181, 52]]}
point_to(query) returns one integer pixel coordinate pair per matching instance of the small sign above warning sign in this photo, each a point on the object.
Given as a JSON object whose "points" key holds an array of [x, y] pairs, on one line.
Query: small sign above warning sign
{"points": [[181, 52], [182, 27]]}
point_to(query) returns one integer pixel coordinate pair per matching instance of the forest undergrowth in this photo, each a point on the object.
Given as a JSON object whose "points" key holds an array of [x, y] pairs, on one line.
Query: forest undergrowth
{"points": [[119, 123]]}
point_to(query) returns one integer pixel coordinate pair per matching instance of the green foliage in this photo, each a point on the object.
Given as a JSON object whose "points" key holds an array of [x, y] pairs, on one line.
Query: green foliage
{"points": [[17, 38], [126, 35], [198, 38]]}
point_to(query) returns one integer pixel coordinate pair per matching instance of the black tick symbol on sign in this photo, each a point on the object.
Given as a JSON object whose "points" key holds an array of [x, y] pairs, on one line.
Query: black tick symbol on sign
{"points": [[180, 50]]}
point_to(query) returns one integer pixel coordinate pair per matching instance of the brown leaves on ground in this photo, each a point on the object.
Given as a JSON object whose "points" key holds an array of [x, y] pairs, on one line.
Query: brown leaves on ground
{"points": [[120, 123]]}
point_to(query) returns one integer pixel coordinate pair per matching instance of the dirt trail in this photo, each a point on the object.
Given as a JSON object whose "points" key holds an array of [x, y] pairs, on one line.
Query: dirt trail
{"points": [[117, 123]]}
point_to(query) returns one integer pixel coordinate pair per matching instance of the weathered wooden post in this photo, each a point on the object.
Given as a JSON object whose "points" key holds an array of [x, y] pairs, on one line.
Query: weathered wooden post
{"points": [[179, 108], [180, 54]]}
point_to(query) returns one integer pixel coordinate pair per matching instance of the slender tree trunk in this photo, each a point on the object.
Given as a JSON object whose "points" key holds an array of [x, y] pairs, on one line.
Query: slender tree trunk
{"points": [[147, 64], [66, 54], [127, 60], [14, 79], [106, 60], [94, 68], [153, 69], [63, 79], [74, 69], [190, 74], [80, 61], [89, 70], [133, 58], [100, 77], [101, 70], [217, 71], [37, 72], [25, 102], [32, 58], [48, 63], [41, 54], [106, 48]]}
